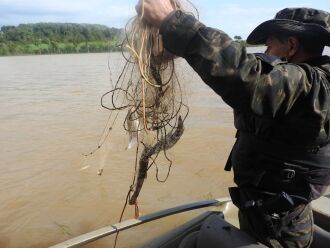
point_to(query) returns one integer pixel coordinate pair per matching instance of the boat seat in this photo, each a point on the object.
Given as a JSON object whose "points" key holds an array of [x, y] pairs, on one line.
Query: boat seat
{"points": [[190, 240], [216, 232]]}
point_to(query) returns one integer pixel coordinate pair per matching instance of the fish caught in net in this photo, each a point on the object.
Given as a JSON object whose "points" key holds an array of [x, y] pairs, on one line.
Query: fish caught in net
{"points": [[148, 89]]}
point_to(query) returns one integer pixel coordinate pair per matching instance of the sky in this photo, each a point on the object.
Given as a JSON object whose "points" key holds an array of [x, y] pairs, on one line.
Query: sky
{"points": [[232, 16]]}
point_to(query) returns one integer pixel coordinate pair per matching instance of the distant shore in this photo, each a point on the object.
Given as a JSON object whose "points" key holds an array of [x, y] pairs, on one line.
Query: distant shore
{"points": [[61, 48], [58, 38]]}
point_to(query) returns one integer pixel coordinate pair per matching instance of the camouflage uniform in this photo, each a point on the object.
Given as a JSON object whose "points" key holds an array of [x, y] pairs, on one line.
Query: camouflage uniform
{"points": [[281, 106]]}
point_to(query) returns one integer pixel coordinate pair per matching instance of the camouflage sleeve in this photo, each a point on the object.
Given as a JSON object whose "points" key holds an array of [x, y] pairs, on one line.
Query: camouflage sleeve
{"points": [[244, 81]]}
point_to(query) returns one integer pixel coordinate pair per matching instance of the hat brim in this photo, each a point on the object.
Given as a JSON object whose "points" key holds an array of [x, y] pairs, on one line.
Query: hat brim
{"points": [[260, 34]]}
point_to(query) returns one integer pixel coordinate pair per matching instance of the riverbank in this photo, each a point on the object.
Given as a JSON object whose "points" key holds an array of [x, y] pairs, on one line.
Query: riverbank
{"points": [[58, 48], [58, 38]]}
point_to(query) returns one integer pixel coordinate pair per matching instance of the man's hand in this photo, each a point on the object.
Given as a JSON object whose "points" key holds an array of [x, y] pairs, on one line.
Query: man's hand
{"points": [[154, 11]]}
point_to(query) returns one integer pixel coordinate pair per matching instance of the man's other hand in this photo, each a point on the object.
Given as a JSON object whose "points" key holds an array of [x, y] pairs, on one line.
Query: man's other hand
{"points": [[154, 11]]}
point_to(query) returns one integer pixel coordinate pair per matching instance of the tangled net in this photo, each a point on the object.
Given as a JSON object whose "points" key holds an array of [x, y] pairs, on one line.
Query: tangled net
{"points": [[149, 90]]}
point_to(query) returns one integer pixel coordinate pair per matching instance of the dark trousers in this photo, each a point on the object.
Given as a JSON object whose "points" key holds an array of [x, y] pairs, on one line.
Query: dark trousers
{"points": [[289, 229]]}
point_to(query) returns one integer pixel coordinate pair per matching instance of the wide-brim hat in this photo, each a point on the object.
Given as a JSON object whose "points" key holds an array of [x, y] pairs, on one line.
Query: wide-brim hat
{"points": [[304, 21]]}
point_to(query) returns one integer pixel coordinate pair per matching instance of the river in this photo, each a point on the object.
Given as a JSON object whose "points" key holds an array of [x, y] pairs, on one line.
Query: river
{"points": [[50, 115]]}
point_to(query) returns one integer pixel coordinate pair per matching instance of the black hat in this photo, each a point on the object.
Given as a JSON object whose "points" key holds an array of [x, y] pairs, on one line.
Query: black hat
{"points": [[304, 21]]}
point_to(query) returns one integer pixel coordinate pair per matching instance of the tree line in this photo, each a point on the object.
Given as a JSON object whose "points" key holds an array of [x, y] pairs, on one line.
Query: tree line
{"points": [[48, 38]]}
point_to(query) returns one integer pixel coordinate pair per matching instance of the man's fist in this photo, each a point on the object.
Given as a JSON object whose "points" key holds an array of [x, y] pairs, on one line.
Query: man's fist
{"points": [[154, 11]]}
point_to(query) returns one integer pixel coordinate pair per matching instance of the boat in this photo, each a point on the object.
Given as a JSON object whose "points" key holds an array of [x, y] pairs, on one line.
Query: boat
{"points": [[215, 227]]}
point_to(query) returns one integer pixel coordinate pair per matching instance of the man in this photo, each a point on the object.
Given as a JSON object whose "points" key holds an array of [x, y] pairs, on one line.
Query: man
{"points": [[281, 158]]}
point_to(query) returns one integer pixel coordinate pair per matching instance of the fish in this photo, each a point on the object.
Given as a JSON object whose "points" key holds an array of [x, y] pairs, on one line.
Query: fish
{"points": [[133, 124], [164, 143]]}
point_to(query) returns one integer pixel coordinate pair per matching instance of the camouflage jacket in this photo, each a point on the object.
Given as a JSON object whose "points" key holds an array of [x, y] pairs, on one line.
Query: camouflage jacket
{"points": [[282, 103]]}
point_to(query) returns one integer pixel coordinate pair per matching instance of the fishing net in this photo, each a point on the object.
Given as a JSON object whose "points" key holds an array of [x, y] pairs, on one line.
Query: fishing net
{"points": [[148, 89]]}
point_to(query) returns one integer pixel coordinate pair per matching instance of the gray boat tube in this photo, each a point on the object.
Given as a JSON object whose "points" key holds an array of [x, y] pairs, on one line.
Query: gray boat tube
{"points": [[112, 229]]}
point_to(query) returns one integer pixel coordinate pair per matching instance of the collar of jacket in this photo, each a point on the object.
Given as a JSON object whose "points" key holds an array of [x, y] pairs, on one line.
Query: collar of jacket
{"points": [[318, 61]]}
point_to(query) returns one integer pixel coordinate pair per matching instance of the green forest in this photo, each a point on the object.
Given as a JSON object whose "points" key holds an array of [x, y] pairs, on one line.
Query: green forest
{"points": [[54, 38]]}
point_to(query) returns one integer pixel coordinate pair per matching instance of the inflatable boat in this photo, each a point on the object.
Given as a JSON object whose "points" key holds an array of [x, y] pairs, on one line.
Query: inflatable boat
{"points": [[216, 227]]}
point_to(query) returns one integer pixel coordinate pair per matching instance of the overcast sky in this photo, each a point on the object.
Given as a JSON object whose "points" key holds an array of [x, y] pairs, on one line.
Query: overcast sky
{"points": [[234, 17]]}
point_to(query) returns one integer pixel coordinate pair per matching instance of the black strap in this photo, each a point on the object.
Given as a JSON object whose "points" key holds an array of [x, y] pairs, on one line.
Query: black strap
{"points": [[267, 202], [303, 156], [229, 164], [312, 164]]}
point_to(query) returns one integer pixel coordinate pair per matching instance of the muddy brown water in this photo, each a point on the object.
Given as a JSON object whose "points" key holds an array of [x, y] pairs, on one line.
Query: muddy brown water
{"points": [[50, 115]]}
